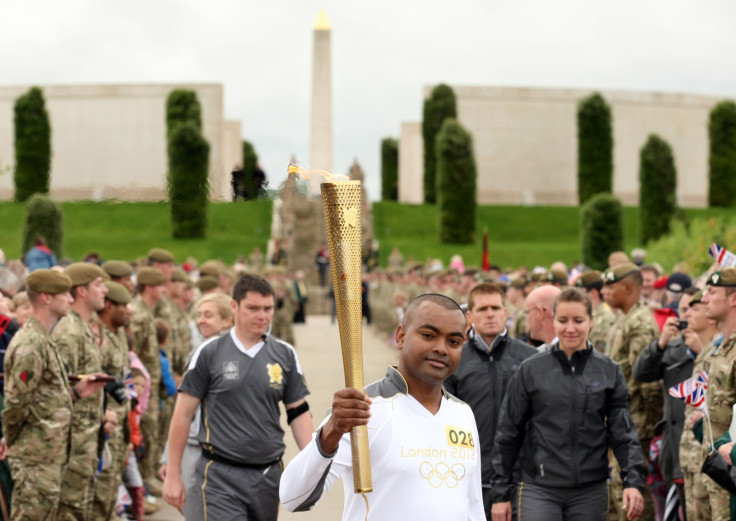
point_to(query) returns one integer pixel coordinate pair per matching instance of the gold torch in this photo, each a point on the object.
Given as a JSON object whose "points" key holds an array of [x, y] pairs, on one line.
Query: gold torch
{"points": [[341, 203]]}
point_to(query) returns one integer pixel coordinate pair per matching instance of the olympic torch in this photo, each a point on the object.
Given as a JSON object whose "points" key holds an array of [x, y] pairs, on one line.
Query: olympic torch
{"points": [[341, 203]]}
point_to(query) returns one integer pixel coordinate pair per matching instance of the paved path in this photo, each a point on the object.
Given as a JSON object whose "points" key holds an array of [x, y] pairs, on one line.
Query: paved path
{"points": [[318, 346]]}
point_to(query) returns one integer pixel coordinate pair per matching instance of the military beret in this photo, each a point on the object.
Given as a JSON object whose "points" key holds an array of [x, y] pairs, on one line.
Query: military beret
{"points": [[178, 275], [117, 293], [539, 276], [207, 283], [82, 273], [723, 278], [117, 268], [557, 276], [211, 267], [151, 277], [590, 279], [48, 281], [517, 282], [697, 298], [619, 272], [678, 282], [160, 255]]}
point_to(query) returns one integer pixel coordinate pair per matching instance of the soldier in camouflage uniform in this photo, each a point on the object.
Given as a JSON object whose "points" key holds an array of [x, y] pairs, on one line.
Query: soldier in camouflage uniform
{"points": [[702, 337], [285, 301], [120, 272], [634, 329], [603, 317], [75, 343], [150, 290], [38, 402], [720, 305], [516, 297], [114, 353]]}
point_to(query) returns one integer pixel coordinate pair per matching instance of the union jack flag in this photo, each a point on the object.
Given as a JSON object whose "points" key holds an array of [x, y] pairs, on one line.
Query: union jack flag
{"points": [[724, 257], [692, 390]]}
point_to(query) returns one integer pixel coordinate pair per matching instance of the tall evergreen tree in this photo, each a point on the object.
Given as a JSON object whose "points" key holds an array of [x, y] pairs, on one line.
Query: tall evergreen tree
{"points": [[595, 147], [722, 158], [602, 225], [188, 183], [456, 183], [389, 169], [439, 106], [657, 189], [182, 106], [44, 218], [32, 145], [250, 165]]}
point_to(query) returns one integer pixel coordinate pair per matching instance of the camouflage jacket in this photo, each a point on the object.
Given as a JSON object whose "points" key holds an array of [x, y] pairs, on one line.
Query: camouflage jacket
{"points": [[164, 310], [691, 450], [721, 394], [627, 338], [180, 351], [115, 360], [38, 404], [76, 345], [603, 319], [145, 343], [518, 329]]}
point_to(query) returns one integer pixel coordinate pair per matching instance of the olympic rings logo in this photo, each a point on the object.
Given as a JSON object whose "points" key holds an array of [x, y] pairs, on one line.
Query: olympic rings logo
{"points": [[442, 474]]}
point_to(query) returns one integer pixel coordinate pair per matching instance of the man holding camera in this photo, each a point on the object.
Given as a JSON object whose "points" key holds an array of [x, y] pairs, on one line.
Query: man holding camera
{"points": [[113, 317], [669, 359], [75, 343]]}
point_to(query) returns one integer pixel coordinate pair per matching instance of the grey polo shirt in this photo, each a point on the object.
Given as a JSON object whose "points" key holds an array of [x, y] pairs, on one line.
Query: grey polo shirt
{"points": [[240, 397]]}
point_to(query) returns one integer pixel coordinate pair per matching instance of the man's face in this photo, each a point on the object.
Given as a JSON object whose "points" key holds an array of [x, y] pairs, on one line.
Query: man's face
{"points": [[696, 318], [156, 292], [93, 294], [59, 304], [119, 316], [174, 289], [648, 283], [488, 315], [716, 302], [535, 316], [684, 305], [127, 281], [165, 267], [430, 344], [253, 314], [615, 294]]}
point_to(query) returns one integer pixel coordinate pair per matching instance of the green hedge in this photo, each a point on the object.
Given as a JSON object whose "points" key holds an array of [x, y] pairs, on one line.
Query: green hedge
{"points": [[187, 181], [601, 230], [722, 158], [657, 188], [32, 145], [456, 184], [439, 106], [595, 147], [389, 169], [182, 106], [250, 163], [44, 218]]}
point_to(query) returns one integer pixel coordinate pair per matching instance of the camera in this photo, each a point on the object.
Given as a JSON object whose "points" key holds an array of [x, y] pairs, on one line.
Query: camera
{"points": [[116, 389], [681, 324]]}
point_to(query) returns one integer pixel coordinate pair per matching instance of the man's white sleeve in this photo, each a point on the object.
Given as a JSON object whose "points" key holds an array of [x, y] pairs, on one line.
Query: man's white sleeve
{"points": [[311, 474]]}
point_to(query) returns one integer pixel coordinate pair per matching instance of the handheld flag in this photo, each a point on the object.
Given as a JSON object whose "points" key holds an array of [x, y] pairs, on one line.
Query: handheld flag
{"points": [[692, 391], [724, 257], [486, 261]]}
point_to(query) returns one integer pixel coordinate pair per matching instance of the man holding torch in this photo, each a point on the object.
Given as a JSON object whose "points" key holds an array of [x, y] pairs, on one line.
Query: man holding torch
{"points": [[424, 451]]}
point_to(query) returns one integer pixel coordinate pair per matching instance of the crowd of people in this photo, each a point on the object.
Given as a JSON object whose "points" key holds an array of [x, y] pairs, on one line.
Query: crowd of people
{"points": [[537, 394]]}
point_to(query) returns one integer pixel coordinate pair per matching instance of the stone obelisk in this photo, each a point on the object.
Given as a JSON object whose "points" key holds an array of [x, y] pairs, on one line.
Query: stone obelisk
{"points": [[320, 150]]}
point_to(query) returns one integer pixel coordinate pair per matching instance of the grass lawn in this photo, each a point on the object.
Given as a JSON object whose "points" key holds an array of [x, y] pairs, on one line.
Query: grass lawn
{"points": [[518, 235], [128, 230]]}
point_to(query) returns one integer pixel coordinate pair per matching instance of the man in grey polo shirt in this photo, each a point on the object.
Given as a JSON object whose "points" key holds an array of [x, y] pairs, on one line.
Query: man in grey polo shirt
{"points": [[239, 379]]}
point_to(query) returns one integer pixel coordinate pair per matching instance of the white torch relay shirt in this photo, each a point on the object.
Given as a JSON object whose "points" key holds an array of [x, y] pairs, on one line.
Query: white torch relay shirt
{"points": [[424, 466]]}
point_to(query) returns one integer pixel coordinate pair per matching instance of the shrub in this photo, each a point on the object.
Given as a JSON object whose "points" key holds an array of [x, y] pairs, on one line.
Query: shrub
{"points": [[722, 158], [657, 187], [187, 181], [32, 145], [250, 164], [595, 147], [44, 218], [439, 105], [456, 180], [389, 169], [602, 230]]}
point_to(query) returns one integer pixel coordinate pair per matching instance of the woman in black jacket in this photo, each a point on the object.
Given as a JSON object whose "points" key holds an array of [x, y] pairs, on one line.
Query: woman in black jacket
{"points": [[563, 409]]}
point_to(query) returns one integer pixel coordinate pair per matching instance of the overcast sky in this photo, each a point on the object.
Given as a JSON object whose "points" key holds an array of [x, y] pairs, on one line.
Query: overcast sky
{"points": [[383, 53]]}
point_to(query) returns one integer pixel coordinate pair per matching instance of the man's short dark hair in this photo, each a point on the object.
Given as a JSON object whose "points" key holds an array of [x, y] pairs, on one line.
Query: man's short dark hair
{"points": [[250, 282], [486, 288], [440, 300]]}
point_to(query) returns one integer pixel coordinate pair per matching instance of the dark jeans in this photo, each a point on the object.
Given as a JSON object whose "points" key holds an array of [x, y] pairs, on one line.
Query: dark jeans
{"points": [[588, 503]]}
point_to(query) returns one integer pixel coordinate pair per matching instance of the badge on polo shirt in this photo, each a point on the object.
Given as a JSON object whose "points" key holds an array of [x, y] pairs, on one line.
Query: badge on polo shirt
{"points": [[230, 370], [275, 374]]}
